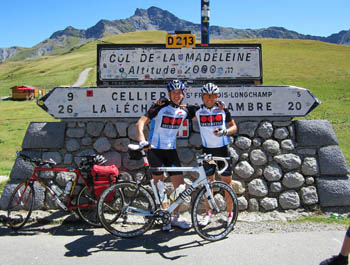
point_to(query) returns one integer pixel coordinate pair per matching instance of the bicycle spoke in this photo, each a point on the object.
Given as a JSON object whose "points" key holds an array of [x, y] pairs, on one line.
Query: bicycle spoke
{"points": [[87, 207], [220, 222], [20, 205], [124, 211]]}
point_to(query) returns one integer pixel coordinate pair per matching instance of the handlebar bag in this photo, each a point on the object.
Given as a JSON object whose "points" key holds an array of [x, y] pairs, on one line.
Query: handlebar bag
{"points": [[135, 154], [103, 177]]}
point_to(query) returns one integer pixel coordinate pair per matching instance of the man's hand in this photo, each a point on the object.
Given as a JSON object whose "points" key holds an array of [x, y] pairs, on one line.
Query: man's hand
{"points": [[220, 104], [161, 101], [143, 144], [220, 132]]}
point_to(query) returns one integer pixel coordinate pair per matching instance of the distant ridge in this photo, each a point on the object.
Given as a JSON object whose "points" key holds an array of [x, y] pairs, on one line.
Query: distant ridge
{"points": [[152, 18]]}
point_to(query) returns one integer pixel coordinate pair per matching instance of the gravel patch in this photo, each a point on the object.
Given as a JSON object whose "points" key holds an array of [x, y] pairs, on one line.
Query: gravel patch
{"points": [[286, 227], [247, 222]]}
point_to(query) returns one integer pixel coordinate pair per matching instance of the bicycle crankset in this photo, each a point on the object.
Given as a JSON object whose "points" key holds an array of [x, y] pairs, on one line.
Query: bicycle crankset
{"points": [[162, 216]]}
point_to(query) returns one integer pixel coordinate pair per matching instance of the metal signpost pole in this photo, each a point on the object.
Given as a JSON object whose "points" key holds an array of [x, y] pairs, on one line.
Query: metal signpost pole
{"points": [[205, 14]]}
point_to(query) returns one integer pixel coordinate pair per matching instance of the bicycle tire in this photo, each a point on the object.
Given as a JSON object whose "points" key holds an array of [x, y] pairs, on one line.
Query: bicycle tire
{"points": [[125, 176], [20, 205], [87, 207], [124, 220], [218, 228]]}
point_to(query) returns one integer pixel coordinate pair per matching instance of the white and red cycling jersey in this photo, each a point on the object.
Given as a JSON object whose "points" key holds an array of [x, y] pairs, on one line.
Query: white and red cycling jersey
{"points": [[208, 121], [165, 123]]}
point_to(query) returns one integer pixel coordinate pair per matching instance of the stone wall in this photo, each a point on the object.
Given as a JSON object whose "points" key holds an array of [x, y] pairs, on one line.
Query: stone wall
{"points": [[277, 164]]}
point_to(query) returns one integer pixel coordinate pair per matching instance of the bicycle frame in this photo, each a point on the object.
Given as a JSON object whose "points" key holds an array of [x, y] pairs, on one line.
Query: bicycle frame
{"points": [[201, 179], [66, 206]]}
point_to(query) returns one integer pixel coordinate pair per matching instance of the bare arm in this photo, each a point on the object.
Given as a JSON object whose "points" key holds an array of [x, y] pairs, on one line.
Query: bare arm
{"points": [[232, 128], [140, 126]]}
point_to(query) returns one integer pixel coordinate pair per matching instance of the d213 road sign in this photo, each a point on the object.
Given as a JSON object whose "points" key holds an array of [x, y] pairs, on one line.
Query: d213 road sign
{"points": [[112, 102]]}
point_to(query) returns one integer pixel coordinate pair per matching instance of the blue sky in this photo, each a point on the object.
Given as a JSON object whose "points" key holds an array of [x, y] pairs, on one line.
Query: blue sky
{"points": [[28, 22]]}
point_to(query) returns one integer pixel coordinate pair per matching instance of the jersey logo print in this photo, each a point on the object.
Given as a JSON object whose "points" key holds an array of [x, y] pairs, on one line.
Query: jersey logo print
{"points": [[210, 120], [171, 122]]}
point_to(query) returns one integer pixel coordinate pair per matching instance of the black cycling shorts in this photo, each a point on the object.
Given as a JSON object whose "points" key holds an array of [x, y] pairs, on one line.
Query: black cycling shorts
{"points": [[221, 152], [164, 158]]}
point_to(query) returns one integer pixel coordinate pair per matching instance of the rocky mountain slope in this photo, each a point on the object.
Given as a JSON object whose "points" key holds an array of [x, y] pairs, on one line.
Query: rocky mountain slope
{"points": [[151, 19]]}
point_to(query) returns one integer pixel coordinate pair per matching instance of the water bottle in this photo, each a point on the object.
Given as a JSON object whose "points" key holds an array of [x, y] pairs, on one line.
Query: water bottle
{"points": [[336, 216], [161, 191], [176, 193], [68, 187], [55, 188]]}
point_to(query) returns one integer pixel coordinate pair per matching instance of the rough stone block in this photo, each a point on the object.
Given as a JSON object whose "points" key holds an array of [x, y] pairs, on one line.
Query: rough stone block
{"points": [[334, 191], [332, 161], [44, 135], [23, 169], [315, 133]]}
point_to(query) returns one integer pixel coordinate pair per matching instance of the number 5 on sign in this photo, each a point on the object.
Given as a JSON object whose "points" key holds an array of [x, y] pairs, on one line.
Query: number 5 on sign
{"points": [[180, 40]]}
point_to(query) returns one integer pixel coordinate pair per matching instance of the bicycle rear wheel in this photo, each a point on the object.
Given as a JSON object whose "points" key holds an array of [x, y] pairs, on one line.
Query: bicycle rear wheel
{"points": [[219, 225], [125, 211], [87, 206], [20, 205]]}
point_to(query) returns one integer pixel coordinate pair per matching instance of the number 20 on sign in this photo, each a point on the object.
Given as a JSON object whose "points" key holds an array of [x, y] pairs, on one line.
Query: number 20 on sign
{"points": [[180, 40]]}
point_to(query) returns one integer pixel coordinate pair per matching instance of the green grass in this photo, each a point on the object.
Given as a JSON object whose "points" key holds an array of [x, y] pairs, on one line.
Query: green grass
{"points": [[15, 116], [322, 68], [323, 219]]}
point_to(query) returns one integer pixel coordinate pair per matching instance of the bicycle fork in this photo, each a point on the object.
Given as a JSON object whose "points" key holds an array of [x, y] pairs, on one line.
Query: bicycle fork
{"points": [[210, 197]]}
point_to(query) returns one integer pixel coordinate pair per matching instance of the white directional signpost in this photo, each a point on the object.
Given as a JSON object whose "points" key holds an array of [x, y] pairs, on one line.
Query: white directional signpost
{"points": [[242, 101], [131, 77]]}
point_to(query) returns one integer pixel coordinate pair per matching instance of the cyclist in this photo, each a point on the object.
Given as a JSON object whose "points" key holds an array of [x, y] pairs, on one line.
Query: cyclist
{"points": [[165, 122], [343, 256], [215, 125]]}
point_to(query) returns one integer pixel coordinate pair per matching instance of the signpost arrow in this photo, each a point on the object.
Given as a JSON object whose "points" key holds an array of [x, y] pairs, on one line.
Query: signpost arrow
{"points": [[113, 102]]}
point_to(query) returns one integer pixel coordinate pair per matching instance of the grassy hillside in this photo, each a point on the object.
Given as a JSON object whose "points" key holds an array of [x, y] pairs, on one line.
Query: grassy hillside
{"points": [[320, 67]]}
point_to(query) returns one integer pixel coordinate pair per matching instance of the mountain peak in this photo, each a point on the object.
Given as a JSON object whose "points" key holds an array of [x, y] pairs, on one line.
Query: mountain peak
{"points": [[140, 12], [155, 18], [68, 31]]}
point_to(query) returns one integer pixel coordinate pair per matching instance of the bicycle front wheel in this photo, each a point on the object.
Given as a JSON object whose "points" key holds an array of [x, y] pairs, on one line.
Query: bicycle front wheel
{"points": [[223, 219], [20, 205], [126, 209], [87, 206]]}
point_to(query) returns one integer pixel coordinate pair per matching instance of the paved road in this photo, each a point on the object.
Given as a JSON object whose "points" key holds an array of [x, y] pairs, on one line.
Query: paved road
{"points": [[74, 243]]}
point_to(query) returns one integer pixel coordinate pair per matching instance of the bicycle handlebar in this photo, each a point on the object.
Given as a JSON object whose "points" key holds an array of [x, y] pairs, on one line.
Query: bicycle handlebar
{"points": [[200, 157], [36, 161], [223, 159]]}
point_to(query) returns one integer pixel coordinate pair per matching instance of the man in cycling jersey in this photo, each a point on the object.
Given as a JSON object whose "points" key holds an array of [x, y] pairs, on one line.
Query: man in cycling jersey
{"points": [[164, 122], [215, 124]]}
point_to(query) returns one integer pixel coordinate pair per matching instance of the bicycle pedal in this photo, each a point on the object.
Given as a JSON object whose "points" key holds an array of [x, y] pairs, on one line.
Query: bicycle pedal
{"points": [[75, 215], [4, 219]]}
